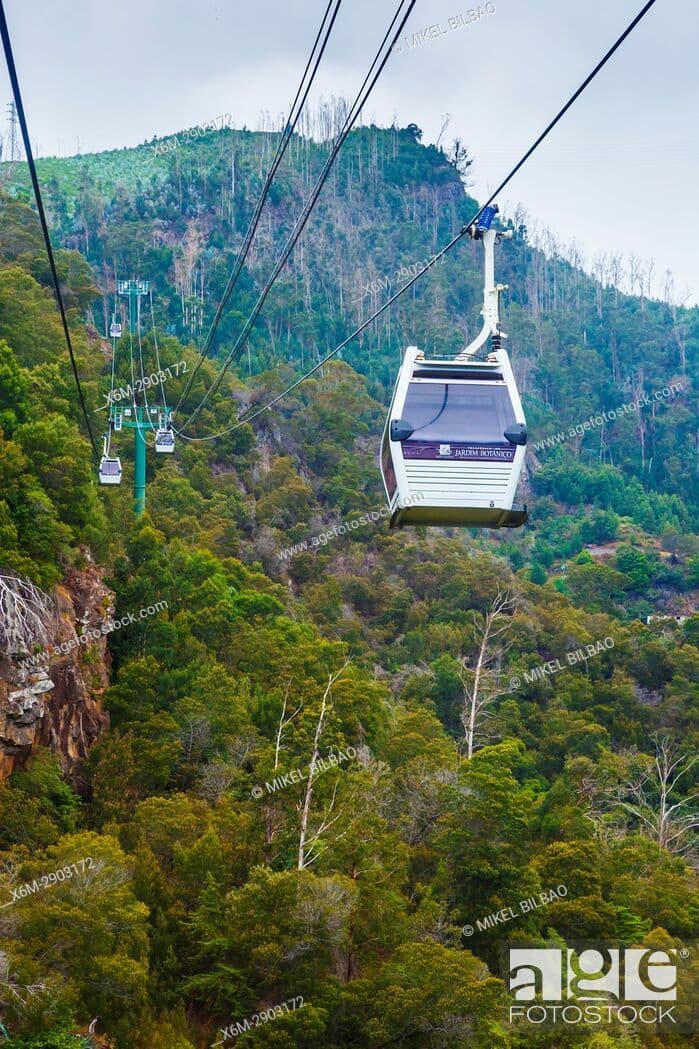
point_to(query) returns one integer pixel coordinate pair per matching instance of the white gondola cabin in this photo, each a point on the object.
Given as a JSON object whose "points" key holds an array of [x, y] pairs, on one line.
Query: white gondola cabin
{"points": [[110, 469], [164, 435], [110, 465], [455, 438]]}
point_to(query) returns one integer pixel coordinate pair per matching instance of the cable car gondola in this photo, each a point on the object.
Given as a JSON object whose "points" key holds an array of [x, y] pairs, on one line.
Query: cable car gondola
{"points": [[455, 438], [115, 328], [164, 436], [110, 466]]}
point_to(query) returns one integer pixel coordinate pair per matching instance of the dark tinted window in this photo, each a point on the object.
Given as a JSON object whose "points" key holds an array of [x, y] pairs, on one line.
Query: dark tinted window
{"points": [[440, 411]]}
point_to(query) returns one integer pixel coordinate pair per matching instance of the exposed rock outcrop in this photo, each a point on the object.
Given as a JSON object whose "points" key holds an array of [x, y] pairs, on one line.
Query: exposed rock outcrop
{"points": [[51, 698]]}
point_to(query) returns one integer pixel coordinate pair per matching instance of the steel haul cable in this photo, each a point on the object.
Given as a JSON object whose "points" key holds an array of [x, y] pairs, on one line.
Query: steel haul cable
{"points": [[319, 45], [160, 372], [144, 388], [9, 57], [355, 110], [462, 232], [114, 342]]}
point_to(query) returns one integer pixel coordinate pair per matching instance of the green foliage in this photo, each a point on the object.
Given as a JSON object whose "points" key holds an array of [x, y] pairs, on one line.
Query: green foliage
{"points": [[596, 586], [601, 527], [48, 498], [224, 881], [42, 780], [635, 565], [49, 1040], [61, 460], [29, 321], [13, 390], [427, 983], [24, 820]]}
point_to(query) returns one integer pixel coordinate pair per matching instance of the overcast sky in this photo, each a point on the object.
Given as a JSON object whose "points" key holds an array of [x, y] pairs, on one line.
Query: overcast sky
{"points": [[618, 175]]}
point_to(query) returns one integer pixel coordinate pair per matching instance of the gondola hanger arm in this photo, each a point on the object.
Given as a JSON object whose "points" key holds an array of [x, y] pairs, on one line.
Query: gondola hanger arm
{"points": [[482, 230]]}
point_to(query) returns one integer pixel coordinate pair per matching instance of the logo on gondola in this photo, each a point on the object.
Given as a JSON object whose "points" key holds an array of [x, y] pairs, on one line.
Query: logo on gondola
{"points": [[464, 452]]}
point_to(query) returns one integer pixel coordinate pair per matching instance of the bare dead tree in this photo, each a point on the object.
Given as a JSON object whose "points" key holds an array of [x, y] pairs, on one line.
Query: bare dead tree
{"points": [[325, 904], [283, 722], [195, 736], [418, 801], [224, 769], [483, 685], [446, 120], [215, 779], [597, 810], [20, 995], [635, 276], [616, 275], [25, 615], [553, 251], [308, 851], [273, 816], [240, 748], [648, 277], [680, 321], [600, 272], [651, 800]]}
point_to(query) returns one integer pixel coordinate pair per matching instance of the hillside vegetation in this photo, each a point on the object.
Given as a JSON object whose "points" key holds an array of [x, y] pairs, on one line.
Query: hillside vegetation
{"points": [[335, 749]]}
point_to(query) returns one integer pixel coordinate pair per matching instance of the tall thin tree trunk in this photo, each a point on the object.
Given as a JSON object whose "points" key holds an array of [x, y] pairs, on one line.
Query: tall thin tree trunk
{"points": [[471, 729], [302, 858], [309, 783]]}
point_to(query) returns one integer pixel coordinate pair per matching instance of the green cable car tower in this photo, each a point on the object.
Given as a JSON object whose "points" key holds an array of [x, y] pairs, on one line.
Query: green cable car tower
{"points": [[137, 417]]}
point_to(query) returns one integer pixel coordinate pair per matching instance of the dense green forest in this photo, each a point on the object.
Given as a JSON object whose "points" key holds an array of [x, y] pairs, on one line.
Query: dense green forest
{"points": [[335, 751]]}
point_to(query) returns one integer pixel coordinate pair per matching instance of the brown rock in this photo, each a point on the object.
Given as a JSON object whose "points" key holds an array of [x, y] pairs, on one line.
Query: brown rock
{"points": [[55, 700]]}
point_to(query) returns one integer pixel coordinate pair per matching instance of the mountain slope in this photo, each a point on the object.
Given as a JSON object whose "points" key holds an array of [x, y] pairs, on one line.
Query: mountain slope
{"points": [[307, 796]]}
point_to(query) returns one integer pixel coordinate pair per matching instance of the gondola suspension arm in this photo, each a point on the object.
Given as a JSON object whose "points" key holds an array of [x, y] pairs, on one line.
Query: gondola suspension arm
{"points": [[482, 230]]}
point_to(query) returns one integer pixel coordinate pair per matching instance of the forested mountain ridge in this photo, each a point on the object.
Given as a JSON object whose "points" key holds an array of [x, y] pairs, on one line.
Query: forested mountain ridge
{"points": [[224, 880], [580, 345]]}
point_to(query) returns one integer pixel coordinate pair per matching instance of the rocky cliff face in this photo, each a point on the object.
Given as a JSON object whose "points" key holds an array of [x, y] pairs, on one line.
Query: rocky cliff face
{"points": [[53, 699]]}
